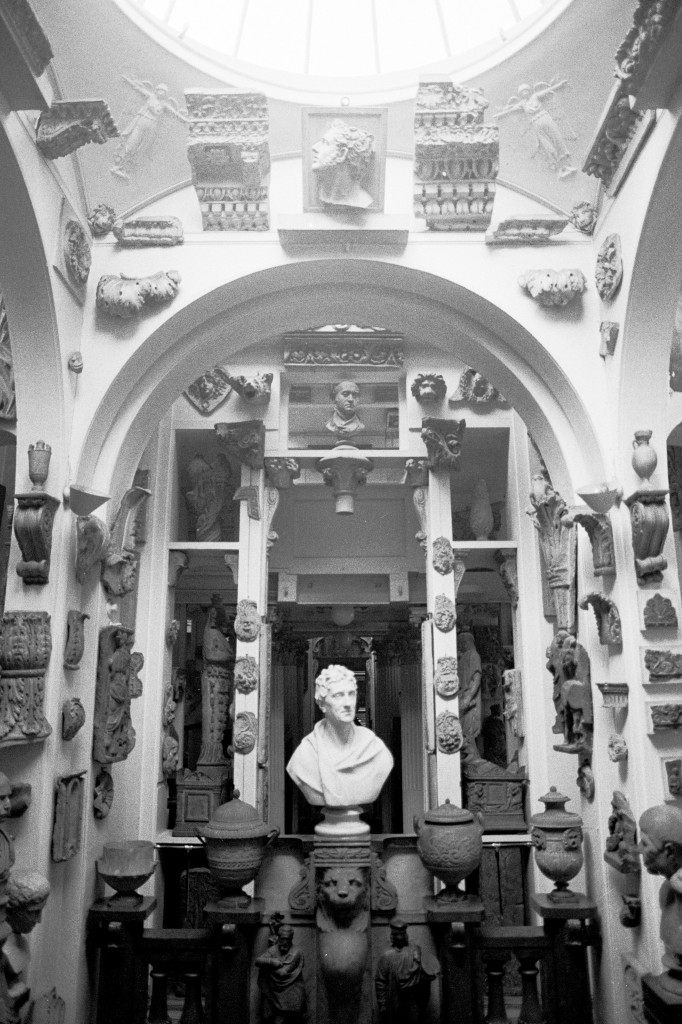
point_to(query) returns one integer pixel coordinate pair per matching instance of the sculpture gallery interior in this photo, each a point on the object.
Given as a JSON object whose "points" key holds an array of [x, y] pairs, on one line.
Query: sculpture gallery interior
{"points": [[341, 518]]}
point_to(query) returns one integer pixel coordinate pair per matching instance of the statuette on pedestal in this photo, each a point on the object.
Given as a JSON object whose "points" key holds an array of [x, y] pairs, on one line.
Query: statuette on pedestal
{"points": [[280, 978], [450, 844], [557, 838], [403, 978]]}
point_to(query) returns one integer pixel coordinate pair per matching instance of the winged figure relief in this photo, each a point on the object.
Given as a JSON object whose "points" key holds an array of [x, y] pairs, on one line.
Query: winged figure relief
{"points": [[146, 125], [540, 108]]}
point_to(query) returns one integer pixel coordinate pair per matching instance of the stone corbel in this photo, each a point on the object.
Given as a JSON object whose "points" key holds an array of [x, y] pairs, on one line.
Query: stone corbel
{"points": [[558, 545], [443, 440], [244, 440], [25, 648], [33, 522], [650, 522], [70, 124], [417, 477], [607, 616], [614, 695], [598, 527], [506, 566]]}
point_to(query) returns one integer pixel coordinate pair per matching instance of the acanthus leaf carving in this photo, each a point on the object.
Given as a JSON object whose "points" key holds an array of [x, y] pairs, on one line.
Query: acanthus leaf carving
{"points": [[659, 613], [649, 521], [70, 124], [123, 296], [607, 616], [25, 648], [549, 514]]}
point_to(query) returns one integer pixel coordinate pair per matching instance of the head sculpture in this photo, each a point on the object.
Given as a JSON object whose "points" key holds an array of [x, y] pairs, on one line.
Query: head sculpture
{"points": [[341, 161], [661, 839], [5, 796], [27, 895], [345, 395], [329, 680]]}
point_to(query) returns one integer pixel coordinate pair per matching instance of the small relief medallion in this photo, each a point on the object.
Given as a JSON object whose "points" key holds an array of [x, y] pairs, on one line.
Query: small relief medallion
{"points": [[247, 622], [446, 681], [444, 614], [245, 732], [443, 556], [246, 674], [449, 736]]}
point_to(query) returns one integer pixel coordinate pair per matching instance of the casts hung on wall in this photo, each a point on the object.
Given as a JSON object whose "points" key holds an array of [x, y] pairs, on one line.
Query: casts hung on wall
{"points": [[68, 816], [208, 392], [70, 124], [607, 616], [120, 295], [548, 127], [429, 388], [622, 850], [75, 638], [657, 610], [245, 440], [136, 232], [583, 216], [101, 220], [553, 287], [551, 519], [608, 273], [25, 648], [34, 519], [143, 131], [598, 528], [115, 550], [344, 159], [254, 389], [608, 332], [474, 389], [73, 717], [443, 440]]}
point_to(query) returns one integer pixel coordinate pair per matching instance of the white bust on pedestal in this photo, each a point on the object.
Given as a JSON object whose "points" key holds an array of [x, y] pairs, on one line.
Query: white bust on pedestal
{"points": [[340, 765]]}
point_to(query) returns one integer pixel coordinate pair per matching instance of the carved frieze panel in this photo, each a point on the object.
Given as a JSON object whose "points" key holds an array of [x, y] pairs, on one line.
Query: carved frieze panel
{"points": [[429, 388], [649, 521], [443, 440], [657, 610], [117, 684], [344, 347], [75, 638], [558, 544], [617, 130], [208, 392], [73, 717], [229, 153], [244, 733], [136, 232], [246, 674], [446, 680], [245, 440], [608, 333], [622, 851], [254, 388], [553, 287], [443, 559], [662, 665], [608, 273], [25, 648], [68, 816], [449, 735], [664, 716], [512, 683], [247, 623], [121, 296], [444, 614], [544, 121], [33, 521], [70, 124], [147, 125], [475, 389], [526, 231], [607, 616], [598, 527], [456, 157]]}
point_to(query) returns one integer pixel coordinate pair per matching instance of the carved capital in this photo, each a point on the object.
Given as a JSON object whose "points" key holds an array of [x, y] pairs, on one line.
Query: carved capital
{"points": [[607, 616], [344, 470], [245, 440], [598, 527], [33, 521], [553, 287], [650, 521], [443, 440], [25, 648], [70, 124]]}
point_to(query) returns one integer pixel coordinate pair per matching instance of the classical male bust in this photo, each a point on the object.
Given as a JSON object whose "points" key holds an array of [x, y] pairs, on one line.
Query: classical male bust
{"points": [[661, 847], [341, 163], [339, 764], [344, 420]]}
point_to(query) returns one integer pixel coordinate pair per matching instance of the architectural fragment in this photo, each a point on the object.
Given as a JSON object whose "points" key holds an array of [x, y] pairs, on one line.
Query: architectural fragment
{"points": [[245, 440], [608, 332], [675, 481], [246, 674], [444, 614], [208, 392], [124, 297], [506, 566], [142, 131], [513, 700], [614, 695], [456, 158], [417, 477], [583, 216], [49, 1008], [449, 735], [282, 472], [101, 220], [526, 230], [553, 287], [249, 494], [615, 133], [607, 616], [443, 440], [8, 399], [70, 124], [475, 389], [493, 792], [344, 470], [344, 159], [481, 518], [446, 680], [443, 559], [658, 611], [662, 666], [117, 684], [557, 541], [23, 25], [92, 543], [649, 521], [33, 522], [617, 748], [637, 52], [428, 388], [665, 717], [244, 733], [548, 128], [142, 231], [569, 665], [68, 816], [672, 777], [73, 717], [254, 389], [207, 496], [75, 638], [25, 648], [622, 851], [608, 273], [343, 346], [119, 566], [247, 623], [77, 253], [229, 154]]}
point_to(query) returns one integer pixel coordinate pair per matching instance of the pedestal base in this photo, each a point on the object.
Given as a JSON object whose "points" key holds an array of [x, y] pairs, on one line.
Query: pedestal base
{"points": [[342, 821]]}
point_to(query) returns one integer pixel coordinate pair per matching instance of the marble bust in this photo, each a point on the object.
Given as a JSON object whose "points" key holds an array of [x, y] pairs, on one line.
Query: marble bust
{"points": [[344, 420], [661, 848], [339, 764], [341, 162]]}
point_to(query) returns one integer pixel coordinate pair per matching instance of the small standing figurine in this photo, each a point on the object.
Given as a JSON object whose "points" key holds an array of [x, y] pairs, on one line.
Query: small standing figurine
{"points": [[280, 980], [470, 697], [345, 420], [403, 979]]}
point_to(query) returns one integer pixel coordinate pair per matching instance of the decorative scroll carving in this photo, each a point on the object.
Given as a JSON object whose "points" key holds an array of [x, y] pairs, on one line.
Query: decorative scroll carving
{"points": [[73, 717], [245, 732], [282, 472], [143, 231], [558, 544], [117, 684], [443, 440], [665, 716], [444, 614], [208, 392], [247, 622], [119, 566], [429, 388], [443, 559], [33, 522], [383, 894], [583, 216], [271, 496], [616, 130], [506, 566], [637, 52], [659, 613], [344, 346], [662, 666], [446, 680], [475, 389], [608, 274], [101, 220], [302, 893], [598, 527], [513, 701], [622, 852], [25, 648], [249, 494], [246, 675], [607, 616], [553, 287], [68, 816], [229, 154], [569, 664], [124, 297], [35, 46], [650, 521], [70, 124], [8, 399], [254, 389], [449, 735], [244, 440], [456, 158], [75, 638]]}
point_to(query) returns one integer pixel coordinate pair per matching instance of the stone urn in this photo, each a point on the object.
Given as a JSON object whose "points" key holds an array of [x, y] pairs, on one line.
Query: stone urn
{"points": [[644, 458], [557, 836], [449, 845], [235, 840], [39, 455]]}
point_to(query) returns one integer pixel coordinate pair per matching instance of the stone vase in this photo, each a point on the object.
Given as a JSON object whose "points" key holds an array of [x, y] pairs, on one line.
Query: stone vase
{"points": [[644, 458], [449, 845], [557, 836], [39, 455]]}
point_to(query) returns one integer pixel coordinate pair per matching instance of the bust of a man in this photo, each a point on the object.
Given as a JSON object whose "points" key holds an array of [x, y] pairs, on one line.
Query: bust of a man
{"points": [[661, 847], [341, 162], [344, 420], [339, 764]]}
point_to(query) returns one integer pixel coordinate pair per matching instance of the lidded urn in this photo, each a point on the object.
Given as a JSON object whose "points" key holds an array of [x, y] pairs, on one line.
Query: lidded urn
{"points": [[450, 845], [235, 840], [557, 836]]}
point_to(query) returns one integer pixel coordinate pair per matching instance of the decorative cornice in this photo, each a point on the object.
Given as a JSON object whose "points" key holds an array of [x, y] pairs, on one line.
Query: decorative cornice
{"points": [[148, 231], [70, 124], [618, 127]]}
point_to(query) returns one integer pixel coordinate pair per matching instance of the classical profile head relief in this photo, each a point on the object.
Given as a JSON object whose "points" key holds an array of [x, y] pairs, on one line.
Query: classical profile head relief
{"points": [[341, 162]]}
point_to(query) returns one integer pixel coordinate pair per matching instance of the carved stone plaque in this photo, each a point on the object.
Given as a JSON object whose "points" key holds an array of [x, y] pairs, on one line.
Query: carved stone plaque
{"points": [[444, 614], [449, 735]]}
